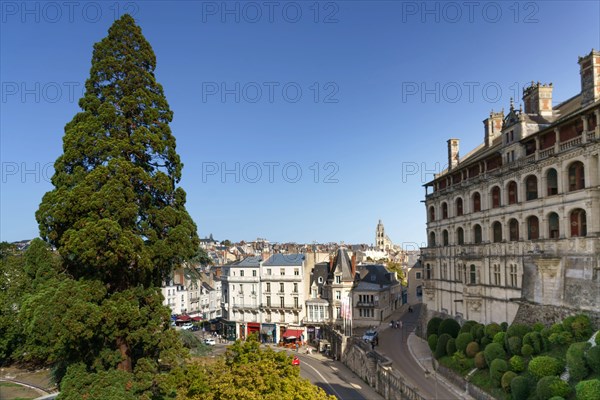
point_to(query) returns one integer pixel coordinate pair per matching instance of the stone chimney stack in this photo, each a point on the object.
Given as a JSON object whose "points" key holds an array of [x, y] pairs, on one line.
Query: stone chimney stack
{"points": [[590, 77], [493, 126], [452, 153], [537, 98], [330, 263], [353, 265]]}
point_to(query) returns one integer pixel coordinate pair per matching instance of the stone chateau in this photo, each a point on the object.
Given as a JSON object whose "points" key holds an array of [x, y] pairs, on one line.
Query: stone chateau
{"points": [[513, 226]]}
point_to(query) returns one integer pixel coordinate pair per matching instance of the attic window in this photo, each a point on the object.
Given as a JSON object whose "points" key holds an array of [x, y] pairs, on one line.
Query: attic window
{"points": [[338, 279], [320, 279]]}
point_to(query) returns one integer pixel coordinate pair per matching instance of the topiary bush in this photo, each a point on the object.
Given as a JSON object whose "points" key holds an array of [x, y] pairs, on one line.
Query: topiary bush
{"points": [[517, 364], [543, 366], [480, 360], [449, 326], [432, 341], [514, 345], [579, 326], [451, 346], [526, 350], [497, 368], [537, 327], [592, 357], [597, 339], [466, 328], [463, 340], [433, 326], [485, 341], [506, 380], [440, 348], [578, 368], [534, 339], [588, 390], [472, 349], [519, 330], [550, 386], [491, 329], [478, 332], [493, 351], [499, 338], [519, 387]]}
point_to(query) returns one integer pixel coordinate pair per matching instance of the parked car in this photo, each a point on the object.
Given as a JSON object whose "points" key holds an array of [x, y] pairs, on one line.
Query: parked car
{"points": [[187, 326], [195, 328], [370, 335], [210, 341]]}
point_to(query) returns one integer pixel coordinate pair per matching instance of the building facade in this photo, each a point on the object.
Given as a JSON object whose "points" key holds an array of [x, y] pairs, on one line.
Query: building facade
{"points": [[515, 223], [376, 295]]}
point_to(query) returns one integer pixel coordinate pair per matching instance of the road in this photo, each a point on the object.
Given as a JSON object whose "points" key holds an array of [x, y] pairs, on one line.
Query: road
{"points": [[393, 344]]}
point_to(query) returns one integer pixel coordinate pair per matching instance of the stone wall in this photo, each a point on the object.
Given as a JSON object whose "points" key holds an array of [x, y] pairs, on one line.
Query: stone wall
{"points": [[530, 313]]}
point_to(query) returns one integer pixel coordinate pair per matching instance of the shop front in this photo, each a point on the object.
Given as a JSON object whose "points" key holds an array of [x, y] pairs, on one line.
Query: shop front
{"points": [[253, 327], [268, 333], [313, 333], [229, 330]]}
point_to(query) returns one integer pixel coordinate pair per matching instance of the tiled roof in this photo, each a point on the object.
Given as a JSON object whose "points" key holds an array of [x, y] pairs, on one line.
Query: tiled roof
{"points": [[253, 261], [284, 260]]}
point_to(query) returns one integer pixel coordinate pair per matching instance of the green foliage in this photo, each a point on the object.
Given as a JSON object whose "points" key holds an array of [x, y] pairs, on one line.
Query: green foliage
{"points": [[499, 338], [514, 345], [478, 332], [504, 326], [576, 362], [450, 327], [543, 366], [550, 386], [535, 340], [557, 398], [480, 362], [485, 341], [79, 384], [433, 326], [493, 351], [519, 330], [432, 341], [597, 339], [538, 327], [463, 340], [527, 350], [517, 364], [561, 338], [580, 327], [506, 380], [451, 346], [193, 343], [519, 387], [466, 328], [588, 390], [461, 360], [497, 368], [492, 329], [592, 357], [472, 349], [440, 348]]}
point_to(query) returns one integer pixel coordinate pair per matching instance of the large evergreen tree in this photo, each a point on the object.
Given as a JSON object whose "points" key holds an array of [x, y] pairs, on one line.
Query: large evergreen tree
{"points": [[116, 214]]}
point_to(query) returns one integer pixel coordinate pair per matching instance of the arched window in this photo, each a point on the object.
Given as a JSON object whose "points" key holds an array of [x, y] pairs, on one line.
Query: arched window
{"points": [[445, 237], [476, 202], [473, 275], [578, 222], [553, 226], [576, 176], [444, 210], [459, 207], [495, 197], [513, 230], [531, 189], [512, 192], [551, 182], [497, 231], [533, 228], [431, 213], [477, 234], [432, 239], [460, 236]]}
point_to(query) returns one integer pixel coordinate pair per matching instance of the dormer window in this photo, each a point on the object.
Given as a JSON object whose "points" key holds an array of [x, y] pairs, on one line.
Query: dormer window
{"points": [[320, 279], [338, 279]]}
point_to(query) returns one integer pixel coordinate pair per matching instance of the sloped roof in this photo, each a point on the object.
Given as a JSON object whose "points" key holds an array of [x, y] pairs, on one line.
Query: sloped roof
{"points": [[284, 260], [343, 264], [319, 270], [253, 261]]}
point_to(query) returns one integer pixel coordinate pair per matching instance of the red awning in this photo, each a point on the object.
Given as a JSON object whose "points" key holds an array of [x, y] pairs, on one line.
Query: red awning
{"points": [[196, 318], [293, 333], [183, 318]]}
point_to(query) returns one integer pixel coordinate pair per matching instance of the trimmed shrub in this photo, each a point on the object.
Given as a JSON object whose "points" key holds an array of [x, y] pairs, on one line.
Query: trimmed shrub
{"points": [[451, 346], [517, 364], [506, 379], [534, 339], [519, 330], [526, 350], [514, 345], [478, 332], [472, 349], [499, 338], [538, 326], [497, 368], [578, 369], [592, 357], [581, 327], [597, 339], [463, 340], [493, 351], [460, 359], [432, 341], [504, 326], [466, 328], [519, 387], [561, 338], [543, 366], [556, 398], [480, 360], [449, 326], [588, 390], [492, 329], [440, 348], [433, 326], [550, 386], [485, 341]]}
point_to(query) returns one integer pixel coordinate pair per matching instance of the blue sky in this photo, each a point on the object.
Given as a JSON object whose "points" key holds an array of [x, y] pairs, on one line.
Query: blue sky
{"points": [[359, 97]]}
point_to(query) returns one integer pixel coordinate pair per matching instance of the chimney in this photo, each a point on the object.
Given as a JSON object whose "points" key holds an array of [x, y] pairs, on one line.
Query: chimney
{"points": [[493, 126], [537, 98], [265, 256], [330, 263], [452, 153], [353, 266], [590, 77]]}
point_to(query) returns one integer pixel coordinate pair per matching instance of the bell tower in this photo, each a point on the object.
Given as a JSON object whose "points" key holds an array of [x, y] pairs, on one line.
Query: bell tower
{"points": [[380, 236]]}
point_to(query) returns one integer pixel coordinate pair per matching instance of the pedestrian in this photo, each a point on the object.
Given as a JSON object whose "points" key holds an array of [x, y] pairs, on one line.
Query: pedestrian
{"points": [[400, 324], [373, 344], [297, 346], [376, 341], [391, 323]]}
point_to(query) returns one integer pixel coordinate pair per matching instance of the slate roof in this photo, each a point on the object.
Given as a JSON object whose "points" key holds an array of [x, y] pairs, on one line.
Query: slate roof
{"points": [[377, 274], [284, 260], [343, 264], [319, 270], [253, 261]]}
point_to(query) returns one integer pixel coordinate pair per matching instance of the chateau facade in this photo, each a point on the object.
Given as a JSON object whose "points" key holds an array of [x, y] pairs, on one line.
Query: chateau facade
{"points": [[515, 223]]}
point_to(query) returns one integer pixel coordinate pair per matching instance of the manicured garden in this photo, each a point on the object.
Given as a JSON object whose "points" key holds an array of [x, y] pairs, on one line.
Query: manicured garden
{"points": [[522, 362]]}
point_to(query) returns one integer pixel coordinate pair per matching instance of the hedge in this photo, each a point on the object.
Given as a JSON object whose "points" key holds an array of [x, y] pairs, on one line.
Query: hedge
{"points": [[493, 351], [432, 341], [578, 369], [472, 349], [433, 326], [449, 326], [588, 390], [519, 387], [506, 380], [592, 357], [543, 366], [480, 360], [463, 340], [550, 386], [517, 364], [497, 368], [440, 348]]}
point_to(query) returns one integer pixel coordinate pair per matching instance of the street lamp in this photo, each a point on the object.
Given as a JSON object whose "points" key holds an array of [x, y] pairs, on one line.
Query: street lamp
{"points": [[428, 374]]}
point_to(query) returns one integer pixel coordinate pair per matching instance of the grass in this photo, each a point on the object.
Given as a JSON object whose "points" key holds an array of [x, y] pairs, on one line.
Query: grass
{"points": [[482, 379], [9, 384]]}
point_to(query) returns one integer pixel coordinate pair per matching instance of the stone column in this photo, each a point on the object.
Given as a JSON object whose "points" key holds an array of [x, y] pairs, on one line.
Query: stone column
{"points": [[557, 143]]}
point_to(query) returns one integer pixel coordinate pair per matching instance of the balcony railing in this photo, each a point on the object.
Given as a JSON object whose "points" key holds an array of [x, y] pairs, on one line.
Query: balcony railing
{"points": [[570, 143], [282, 307], [367, 304], [281, 278]]}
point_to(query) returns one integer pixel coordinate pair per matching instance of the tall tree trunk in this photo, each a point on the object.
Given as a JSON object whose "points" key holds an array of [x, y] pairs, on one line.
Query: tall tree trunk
{"points": [[124, 365]]}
